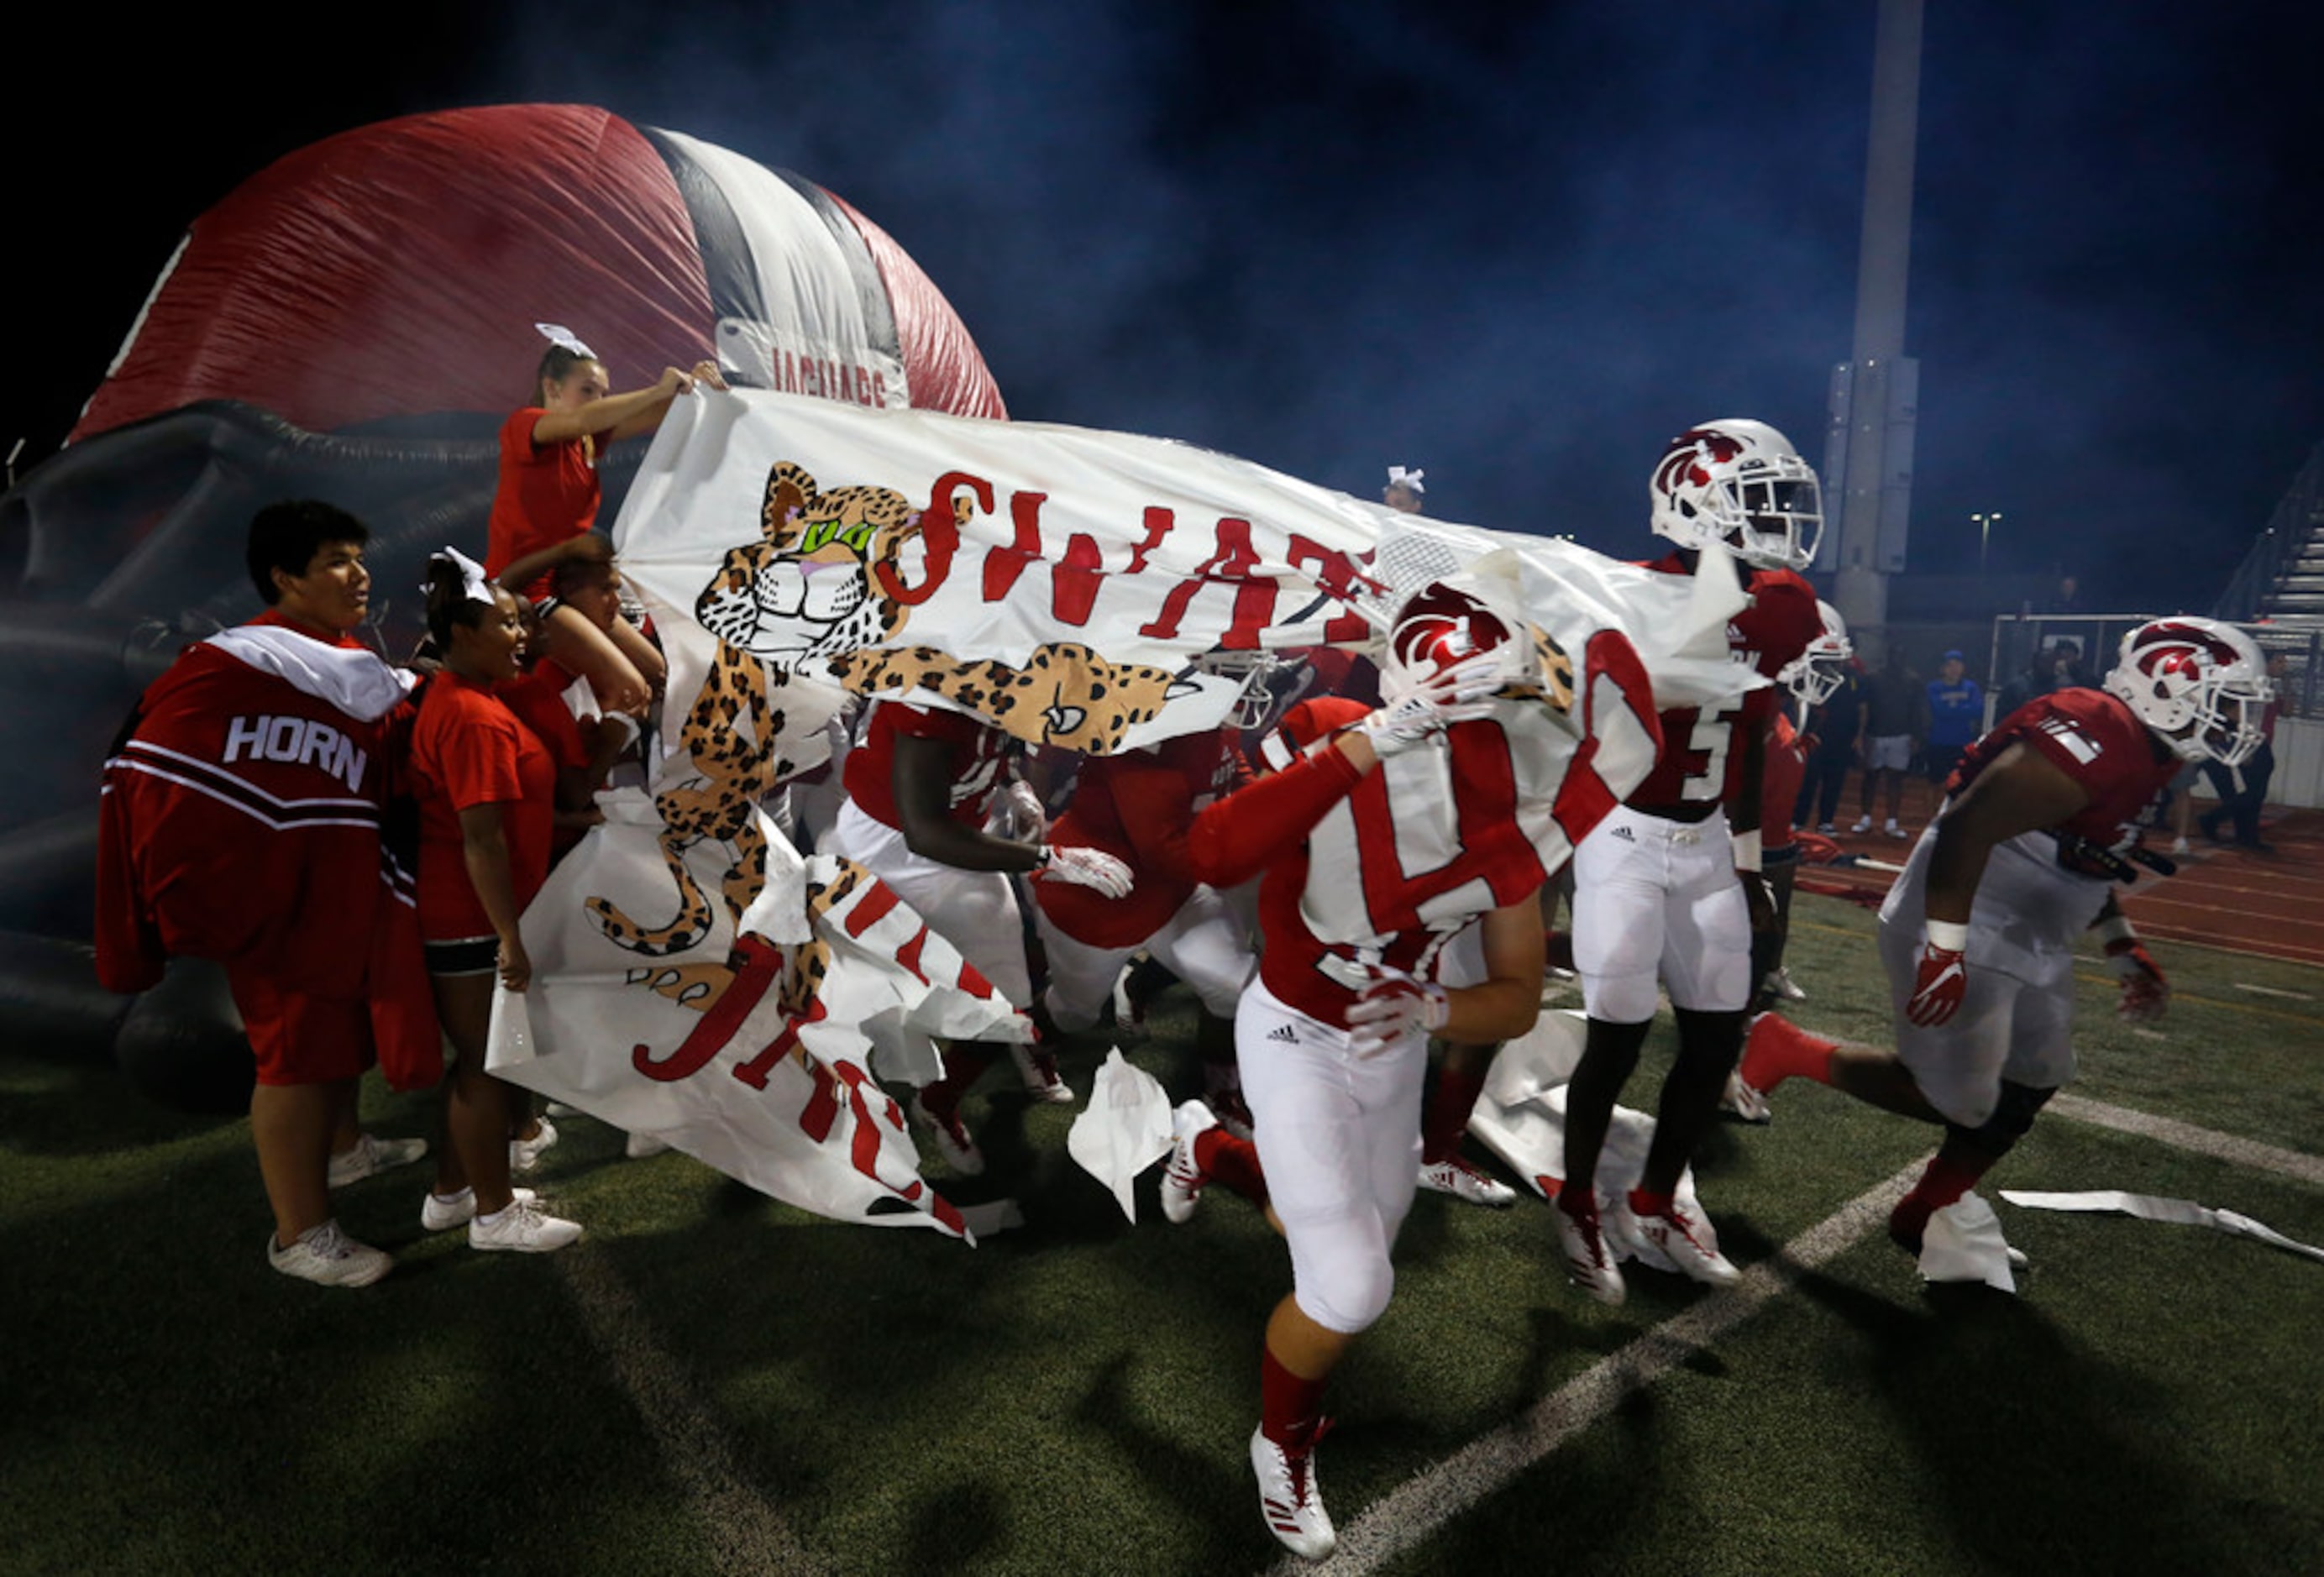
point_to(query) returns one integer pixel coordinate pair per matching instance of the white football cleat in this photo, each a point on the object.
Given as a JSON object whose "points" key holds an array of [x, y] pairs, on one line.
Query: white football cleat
{"points": [[1183, 1179], [1745, 1103], [1457, 1177], [1590, 1264], [1290, 1500], [1039, 1069], [1687, 1241]]}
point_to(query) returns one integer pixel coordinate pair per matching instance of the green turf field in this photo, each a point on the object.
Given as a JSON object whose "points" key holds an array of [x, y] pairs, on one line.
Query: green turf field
{"points": [[712, 1382]]}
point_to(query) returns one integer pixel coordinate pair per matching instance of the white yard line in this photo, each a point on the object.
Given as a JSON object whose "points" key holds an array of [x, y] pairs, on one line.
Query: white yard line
{"points": [[1416, 1510], [1433, 1497], [746, 1534], [2186, 1136]]}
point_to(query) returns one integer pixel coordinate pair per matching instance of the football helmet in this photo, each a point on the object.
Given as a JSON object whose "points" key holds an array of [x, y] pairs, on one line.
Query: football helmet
{"points": [[1740, 485], [1816, 672], [1255, 704], [1440, 625], [2199, 684]]}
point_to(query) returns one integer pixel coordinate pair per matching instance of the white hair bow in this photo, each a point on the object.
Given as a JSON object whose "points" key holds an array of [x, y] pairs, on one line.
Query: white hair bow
{"points": [[556, 334], [475, 586], [1397, 476]]}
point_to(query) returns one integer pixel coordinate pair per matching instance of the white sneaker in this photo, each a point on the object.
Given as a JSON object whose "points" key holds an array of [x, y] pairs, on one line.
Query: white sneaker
{"points": [[1893, 830], [1457, 1177], [1780, 982], [1183, 1179], [440, 1212], [637, 1147], [2179, 847], [1039, 1069], [524, 1154], [1290, 1498], [371, 1157], [1689, 1243], [951, 1136], [524, 1227], [327, 1256], [1863, 824], [1589, 1264]]}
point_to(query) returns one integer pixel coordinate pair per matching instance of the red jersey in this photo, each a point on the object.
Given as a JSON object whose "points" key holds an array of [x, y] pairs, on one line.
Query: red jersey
{"points": [[1702, 759], [977, 751], [2097, 741], [1139, 807], [548, 493], [1380, 868], [468, 749]]}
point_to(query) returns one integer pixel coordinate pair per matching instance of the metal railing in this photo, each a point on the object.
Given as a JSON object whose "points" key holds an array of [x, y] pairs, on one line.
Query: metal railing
{"points": [[2294, 524]]}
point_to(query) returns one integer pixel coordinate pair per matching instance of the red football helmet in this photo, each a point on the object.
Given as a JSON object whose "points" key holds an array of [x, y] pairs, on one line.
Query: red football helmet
{"points": [[1437, 627], [2199, 684]]}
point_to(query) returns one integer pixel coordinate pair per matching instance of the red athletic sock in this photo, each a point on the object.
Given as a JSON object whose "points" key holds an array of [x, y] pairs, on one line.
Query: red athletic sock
{"points": [[1232, 1161], [1450, 1102], [1644, 1203], [1289, 1407], [1778, 1049], [1944, 1181]]}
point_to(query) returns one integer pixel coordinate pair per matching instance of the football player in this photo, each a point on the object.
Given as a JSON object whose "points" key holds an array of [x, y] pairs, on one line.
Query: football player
{"points": [[1332, 1036], [1669, 885], [1978, 934], [1139, 808], [919, 790]]}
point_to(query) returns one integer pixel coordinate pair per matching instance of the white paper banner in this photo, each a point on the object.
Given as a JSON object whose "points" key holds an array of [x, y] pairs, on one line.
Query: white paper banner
{"points": [[2184, 1212], [696, 979]]}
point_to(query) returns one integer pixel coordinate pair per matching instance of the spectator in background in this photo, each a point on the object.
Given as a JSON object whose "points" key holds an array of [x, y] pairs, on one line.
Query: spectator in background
{"points": [[2039, 677], [1894, 723], [1403, 492], [2242, 790], [1837, 724], [1956, 712]]}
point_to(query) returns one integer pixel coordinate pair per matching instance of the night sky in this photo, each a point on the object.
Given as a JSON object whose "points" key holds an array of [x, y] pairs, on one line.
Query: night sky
{"points": [[1519, 246]]}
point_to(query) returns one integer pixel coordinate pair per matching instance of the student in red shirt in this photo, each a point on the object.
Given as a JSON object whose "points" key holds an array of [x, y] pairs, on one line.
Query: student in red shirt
{"points": [[486, 787], [549, 495]]}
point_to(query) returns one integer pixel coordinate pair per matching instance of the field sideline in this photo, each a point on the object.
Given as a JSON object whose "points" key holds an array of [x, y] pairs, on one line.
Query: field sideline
{"points": [[713, 1382]]}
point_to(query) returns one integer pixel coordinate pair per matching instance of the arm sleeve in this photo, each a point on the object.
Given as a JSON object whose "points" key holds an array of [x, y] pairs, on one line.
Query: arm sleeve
{"points": [[1238, 837]]}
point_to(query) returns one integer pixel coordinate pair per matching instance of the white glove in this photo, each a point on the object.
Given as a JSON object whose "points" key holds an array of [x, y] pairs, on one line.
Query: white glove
{"points": [[1028, 821], [1084, 867], [1453, 694], [1392, 1008]]}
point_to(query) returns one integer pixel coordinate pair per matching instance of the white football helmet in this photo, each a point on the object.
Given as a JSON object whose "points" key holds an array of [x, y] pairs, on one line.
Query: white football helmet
{"points": [[1740, 485], [2199, 684], [1815, 673], [1255, 704]]}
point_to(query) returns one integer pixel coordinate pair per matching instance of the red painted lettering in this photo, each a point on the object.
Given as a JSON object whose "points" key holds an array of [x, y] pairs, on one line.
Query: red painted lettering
{"points": [[1230, 564], [761, 963], [939, 537]]}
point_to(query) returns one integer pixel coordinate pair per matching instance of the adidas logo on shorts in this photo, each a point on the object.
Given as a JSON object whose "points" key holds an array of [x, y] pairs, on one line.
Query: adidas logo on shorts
{"points": [[1284, 1033], [1626, 834]]}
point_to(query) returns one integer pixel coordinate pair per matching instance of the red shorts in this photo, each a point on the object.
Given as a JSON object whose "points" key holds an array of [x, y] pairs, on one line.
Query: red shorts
{"points": [[297, 1039]]}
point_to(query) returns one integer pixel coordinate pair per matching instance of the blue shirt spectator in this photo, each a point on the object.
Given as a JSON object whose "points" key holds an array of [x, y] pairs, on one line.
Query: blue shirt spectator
{"points": [[1956, 715]]}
